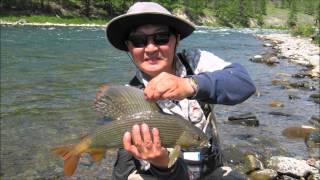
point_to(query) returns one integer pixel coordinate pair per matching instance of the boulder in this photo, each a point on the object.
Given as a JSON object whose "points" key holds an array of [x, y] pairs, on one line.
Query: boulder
{"points": [[247, 119], [291, 167]]}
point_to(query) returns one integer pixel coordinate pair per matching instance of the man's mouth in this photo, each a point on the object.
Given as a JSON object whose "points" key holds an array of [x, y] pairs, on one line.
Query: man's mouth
{"points": [[152, 60]]}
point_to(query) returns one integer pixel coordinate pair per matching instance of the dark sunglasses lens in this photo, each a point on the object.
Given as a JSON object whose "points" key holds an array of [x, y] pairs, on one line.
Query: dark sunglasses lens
{"points": [[139, 41], [161, 38], [142, 40]]}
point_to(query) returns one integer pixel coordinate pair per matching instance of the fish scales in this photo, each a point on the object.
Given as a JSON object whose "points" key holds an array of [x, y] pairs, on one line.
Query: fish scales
{"points": [[111, 134]]}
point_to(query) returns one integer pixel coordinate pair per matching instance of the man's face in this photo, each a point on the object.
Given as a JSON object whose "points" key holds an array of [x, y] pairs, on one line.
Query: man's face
{"points": [[152, 48]]}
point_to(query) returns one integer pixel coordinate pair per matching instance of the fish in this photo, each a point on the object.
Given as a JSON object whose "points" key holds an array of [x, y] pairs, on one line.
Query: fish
{"points": [[126, 106]]}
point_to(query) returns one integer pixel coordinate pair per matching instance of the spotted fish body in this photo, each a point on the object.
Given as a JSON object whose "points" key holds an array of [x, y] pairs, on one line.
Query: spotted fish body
{"points": [[126, 106]]}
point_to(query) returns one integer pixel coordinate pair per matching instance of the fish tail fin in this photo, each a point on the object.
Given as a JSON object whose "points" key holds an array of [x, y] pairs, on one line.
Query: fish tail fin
{"points": [[71, 158]]}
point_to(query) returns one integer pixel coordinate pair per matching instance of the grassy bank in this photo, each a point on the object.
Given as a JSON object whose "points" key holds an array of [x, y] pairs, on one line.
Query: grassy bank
{"points": [[53, 19], [275, 20]]}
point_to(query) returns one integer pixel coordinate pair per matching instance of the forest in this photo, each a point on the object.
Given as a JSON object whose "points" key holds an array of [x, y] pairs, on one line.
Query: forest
{"points": [[231, 13]]}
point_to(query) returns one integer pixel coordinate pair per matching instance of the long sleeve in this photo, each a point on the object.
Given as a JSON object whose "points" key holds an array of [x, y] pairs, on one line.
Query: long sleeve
{"points": [[229, 86]]}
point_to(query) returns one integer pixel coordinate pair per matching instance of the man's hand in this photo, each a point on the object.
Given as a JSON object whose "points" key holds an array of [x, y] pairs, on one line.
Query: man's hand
{"points": [[146, 146], [168, 86]]}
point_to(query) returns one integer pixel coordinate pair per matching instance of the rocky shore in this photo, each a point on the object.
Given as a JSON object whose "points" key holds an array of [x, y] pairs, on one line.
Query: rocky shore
{"points": [[279, 164], [296, 49]]}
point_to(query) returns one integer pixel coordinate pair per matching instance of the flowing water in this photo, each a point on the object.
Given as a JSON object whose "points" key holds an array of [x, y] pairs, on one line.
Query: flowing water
{"points": [[49, 76]]}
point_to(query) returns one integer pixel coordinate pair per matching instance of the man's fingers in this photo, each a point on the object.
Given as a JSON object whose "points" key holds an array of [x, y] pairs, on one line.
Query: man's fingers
{"points": [[127, 145], [146, 135], [136, 135], [156, 138], [126, 140]]}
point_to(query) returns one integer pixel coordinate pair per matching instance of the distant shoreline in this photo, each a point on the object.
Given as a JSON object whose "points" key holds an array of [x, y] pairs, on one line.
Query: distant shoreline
{"points": [[6, 23]]}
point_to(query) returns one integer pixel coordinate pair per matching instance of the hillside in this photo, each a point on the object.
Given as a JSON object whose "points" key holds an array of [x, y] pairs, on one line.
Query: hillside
{"points": [[233, 13]]}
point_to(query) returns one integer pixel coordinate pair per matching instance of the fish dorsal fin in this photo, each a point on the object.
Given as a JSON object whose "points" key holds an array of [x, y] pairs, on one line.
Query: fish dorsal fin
{"points": [[124, 101]]}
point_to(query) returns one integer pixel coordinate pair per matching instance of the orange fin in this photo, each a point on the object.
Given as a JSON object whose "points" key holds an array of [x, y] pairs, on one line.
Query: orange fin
{"points": [[97, 155], [70, 165], [71, 159], [62, 150]]}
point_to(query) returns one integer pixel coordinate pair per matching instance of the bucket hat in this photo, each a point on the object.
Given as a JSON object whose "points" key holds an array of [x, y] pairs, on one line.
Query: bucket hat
{"points": [[141, 13]]}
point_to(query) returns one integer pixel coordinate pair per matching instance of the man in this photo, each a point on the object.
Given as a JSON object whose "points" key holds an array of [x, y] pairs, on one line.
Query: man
{"points": [[184, 84]]}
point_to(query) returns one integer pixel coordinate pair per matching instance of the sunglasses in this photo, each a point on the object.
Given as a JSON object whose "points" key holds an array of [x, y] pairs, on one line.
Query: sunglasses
{"points": [[160, 38]]}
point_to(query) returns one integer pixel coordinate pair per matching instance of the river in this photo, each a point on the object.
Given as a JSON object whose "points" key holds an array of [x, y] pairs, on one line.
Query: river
{"points": [[49, 76]]}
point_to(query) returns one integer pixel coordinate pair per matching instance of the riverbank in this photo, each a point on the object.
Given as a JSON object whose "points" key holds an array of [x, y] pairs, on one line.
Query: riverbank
{"points": [[299, 50], [23, 22]]}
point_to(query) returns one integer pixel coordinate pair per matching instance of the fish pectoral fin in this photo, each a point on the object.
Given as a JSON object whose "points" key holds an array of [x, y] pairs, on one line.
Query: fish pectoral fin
{"points": [[173, 156], [97, 155]]}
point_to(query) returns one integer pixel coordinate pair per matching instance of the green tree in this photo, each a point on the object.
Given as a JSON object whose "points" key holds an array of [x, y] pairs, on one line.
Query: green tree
{"points": [[86, 7], [262, 6], [284, 4], [309, 6], [292, 20], [244, 12]]}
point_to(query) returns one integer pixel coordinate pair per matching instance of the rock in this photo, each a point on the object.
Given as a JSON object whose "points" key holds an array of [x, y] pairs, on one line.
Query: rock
{"points": [[252, 163], [298, 131], [277, 113], [302, 85], [225, 172], [248, 119], [272, 60], [262, 148], [233, 155], [312, 140], [268, 58], [21, 22], [315, 121], [279, 82], [315, 97], [267, 45], [276, 103], [257, 93], [248, 115], [302, 75], [293, 97], [265, 174], [290, 166], [314, 163], [281, 74], [256, 58]]}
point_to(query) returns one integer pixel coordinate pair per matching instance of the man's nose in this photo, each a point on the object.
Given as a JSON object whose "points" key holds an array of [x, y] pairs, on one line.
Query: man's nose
{"points": [[151, 46]]}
